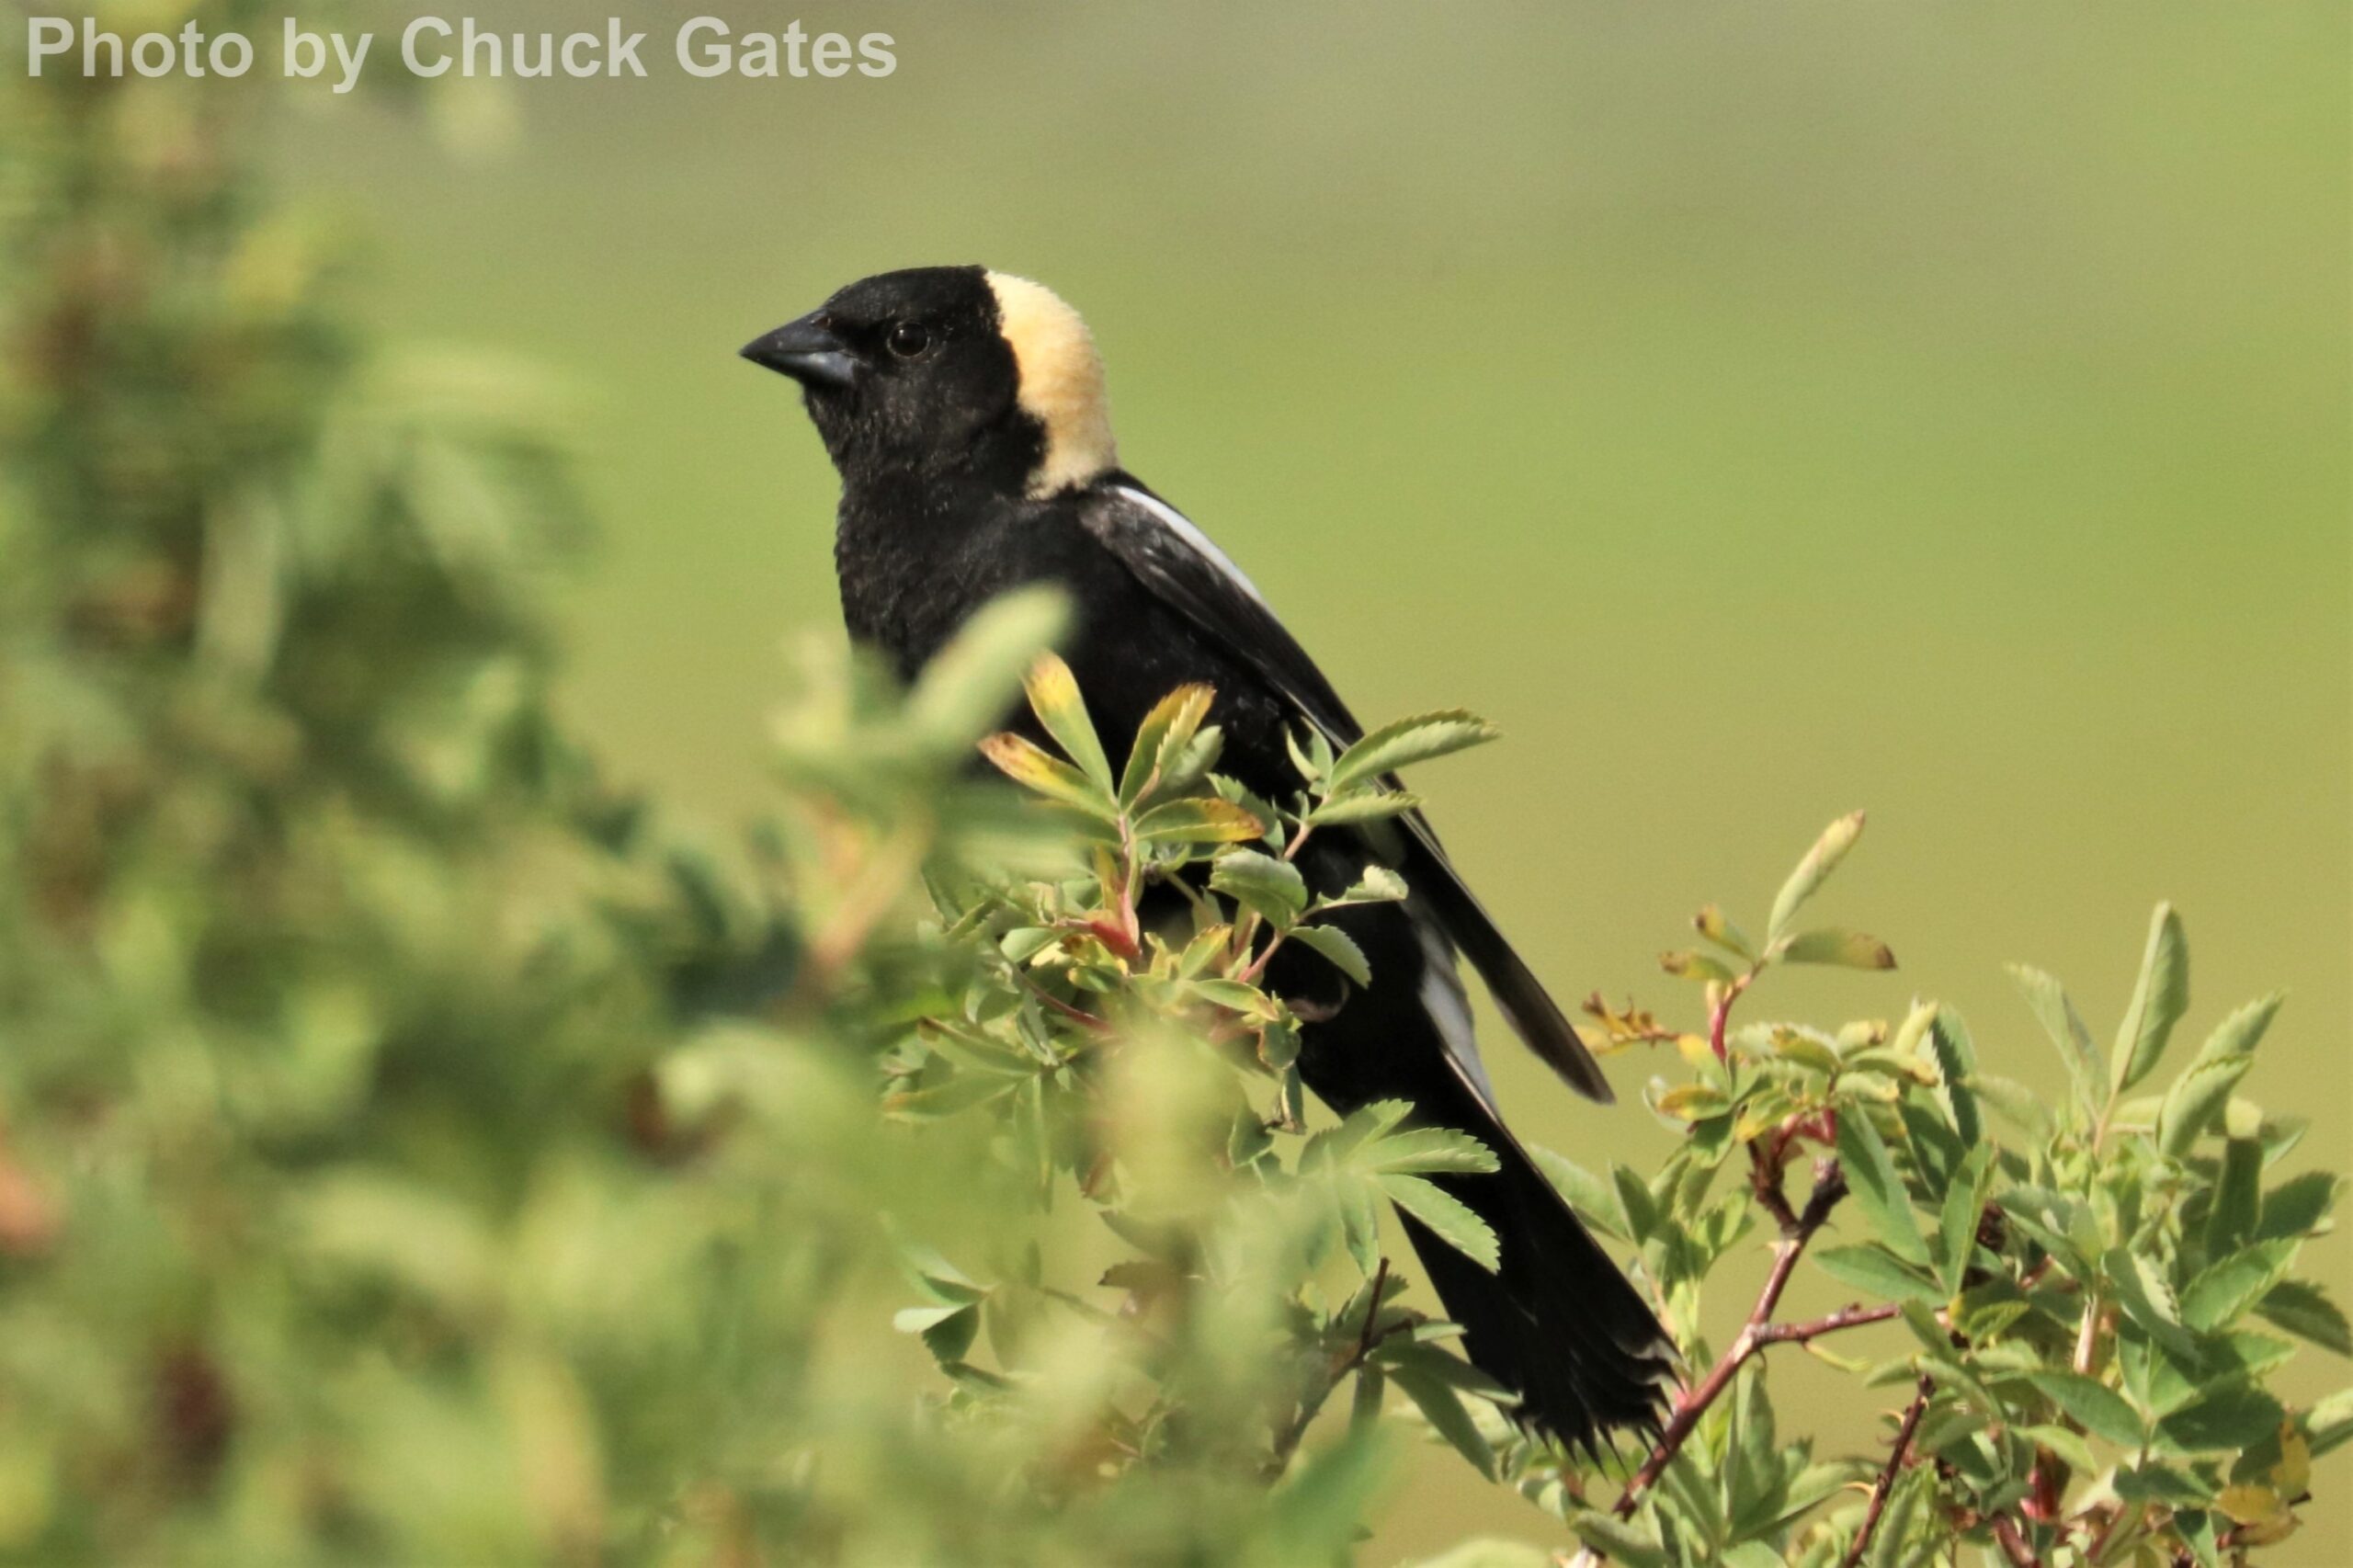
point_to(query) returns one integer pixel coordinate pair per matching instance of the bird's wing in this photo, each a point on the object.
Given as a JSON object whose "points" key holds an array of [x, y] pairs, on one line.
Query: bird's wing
{"points": [[1179, 564]]}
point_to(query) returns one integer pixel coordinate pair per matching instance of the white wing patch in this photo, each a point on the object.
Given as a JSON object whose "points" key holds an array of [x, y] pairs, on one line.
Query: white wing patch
{"points": [[1199, 542], [1448, 1006]]}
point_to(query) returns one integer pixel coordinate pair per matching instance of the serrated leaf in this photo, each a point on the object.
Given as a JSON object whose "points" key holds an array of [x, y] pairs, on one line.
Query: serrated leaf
{"points": [[1448, 1216], [2142, 1289], [1876, 1189], [2230, 1415], [2304, 1309], [1425, 1149], [2236, 1207], [1846, 949], [1034, 768], [2056, 1012], [1956, 1059], [1405, 742], [1198, 819], [1596, 1201], [1957, 1221], [1442, 1406], [2098, 1409], [2224, 1289], [1877, 1272], [1338, 947], [1273, 888], [1364, 805], [2196, 1097], [2239, 1034], [2298, 1206], [1170, 726], [2159, 998], [1813, 871], [2017, 1104]]}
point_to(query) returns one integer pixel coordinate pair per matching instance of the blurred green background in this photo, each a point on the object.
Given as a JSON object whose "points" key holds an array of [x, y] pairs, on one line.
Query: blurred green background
{"points": [[1759, 410]]}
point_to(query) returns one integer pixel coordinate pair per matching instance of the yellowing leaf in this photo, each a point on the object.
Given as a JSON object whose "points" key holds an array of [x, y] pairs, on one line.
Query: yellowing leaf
{"points": [[1814, 871], [1690, 1102], [1053, 697], [1029, 765]]}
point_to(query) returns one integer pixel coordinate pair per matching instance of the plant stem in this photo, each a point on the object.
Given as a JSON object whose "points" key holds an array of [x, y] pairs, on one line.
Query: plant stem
{"points": [[2014, 1544], [1368, 1339], [1829, 1186], [1894, 1467]]}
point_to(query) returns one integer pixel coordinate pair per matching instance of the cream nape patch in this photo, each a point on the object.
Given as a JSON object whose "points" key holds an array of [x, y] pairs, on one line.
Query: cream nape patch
{"points": [[1061, 383]]}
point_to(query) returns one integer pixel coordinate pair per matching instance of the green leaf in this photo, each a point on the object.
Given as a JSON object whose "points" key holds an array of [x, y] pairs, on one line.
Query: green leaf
{"points": [[2142, 1290], [1425, 1149], [1198, 819], [947, 1332], [2235, 1208], [1376, 884], [1846, 949], [2065, 1026], [1956, 1058], [1442, 1406], [1338, 947], [1448, 1216], [1712, 924], [2226, 1290], [1037, 769], [1271, 887], [1634, 1196], [2159, 998], [1957, 1223], [2304, 1309], [1596, 1201], [1877, 1272], [1364, 805], [2239, 1034], [1167, 729], [2098, 1409], [2068, 1444], [2330, 1421], [1686, 964], [1875, 1188], [2298, 1206], [1406, 742], [1813, 871], [1054, 698], [2230, 1415], [1619, 1540], [2195, 1099], [970, 683]]}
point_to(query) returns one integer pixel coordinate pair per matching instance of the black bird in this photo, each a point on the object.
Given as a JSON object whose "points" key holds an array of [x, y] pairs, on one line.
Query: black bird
{"points": [[965, 412]]}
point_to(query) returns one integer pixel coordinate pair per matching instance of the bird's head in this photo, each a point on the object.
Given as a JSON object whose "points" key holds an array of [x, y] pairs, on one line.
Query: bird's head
{"points": [[951, 373]]}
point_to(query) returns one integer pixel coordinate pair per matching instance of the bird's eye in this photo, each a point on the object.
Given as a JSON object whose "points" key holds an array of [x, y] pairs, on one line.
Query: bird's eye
{"points": [[908, 339]]}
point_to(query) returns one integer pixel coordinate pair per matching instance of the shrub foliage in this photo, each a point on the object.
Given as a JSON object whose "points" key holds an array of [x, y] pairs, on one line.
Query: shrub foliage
{"points": [[413, 1150]]}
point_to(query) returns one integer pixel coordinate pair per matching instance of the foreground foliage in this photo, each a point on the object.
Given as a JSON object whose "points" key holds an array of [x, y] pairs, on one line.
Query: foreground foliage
{"points": [[411, 1150]]}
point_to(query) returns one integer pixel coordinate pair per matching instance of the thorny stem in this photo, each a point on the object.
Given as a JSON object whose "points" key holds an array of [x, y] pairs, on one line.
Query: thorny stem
{"points": [[1894, 1467], [1829, 1186]]}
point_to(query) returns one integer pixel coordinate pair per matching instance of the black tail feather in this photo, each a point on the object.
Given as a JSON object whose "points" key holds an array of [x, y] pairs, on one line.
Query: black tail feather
{"points": [[1557, 1323]]}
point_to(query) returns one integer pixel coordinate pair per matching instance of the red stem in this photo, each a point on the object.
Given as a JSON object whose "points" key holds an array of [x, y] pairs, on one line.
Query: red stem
{"points": [[1886, 1482]]}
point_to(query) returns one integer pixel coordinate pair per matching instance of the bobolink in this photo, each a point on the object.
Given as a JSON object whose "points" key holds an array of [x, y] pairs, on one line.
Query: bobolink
{"points": [[965, 412]]}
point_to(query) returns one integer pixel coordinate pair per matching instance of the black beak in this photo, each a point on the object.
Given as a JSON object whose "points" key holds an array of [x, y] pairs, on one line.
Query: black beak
{"points": [[806, 351]]}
